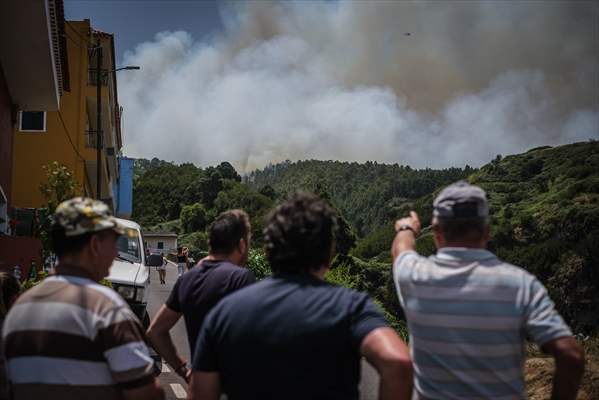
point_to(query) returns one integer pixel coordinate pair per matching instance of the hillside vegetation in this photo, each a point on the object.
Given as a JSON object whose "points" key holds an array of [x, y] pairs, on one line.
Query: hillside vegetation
{"points": [[544, 213], [366, 194]]}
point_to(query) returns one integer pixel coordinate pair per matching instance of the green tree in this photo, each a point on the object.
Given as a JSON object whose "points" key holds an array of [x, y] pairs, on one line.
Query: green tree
{"points": [[227, 171], [60, 185], [193, 218], [195, 241], [268, 191], [345, 238], [211, 186], [236, 195]]}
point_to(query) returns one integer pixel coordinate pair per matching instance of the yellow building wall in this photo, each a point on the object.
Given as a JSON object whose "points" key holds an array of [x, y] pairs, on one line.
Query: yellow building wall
{"points": [[64, 143]]}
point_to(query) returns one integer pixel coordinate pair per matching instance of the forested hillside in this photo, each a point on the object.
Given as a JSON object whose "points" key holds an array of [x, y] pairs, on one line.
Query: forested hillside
{"points": [[544, 212], [367, 194], [185, 199], [544, 208]]}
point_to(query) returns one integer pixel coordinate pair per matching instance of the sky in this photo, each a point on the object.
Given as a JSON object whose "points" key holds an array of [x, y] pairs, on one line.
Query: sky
{"points": [[425, 84], [137, 21]]}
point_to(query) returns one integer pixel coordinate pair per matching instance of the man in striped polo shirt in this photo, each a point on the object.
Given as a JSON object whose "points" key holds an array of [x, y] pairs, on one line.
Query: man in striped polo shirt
{"points": [[70, 337], [469, 313]]}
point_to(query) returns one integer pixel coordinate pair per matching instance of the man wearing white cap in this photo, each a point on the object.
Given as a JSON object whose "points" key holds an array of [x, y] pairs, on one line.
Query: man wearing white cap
{"points": [[469, 313]]}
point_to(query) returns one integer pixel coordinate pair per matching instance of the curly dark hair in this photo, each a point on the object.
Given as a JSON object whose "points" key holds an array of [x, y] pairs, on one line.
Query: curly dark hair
{"points": [[299, 234]]}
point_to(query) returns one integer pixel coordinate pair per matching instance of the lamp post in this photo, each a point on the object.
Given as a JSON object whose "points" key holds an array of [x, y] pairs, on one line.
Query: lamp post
{"points": [[99, 133], [98, 120]]}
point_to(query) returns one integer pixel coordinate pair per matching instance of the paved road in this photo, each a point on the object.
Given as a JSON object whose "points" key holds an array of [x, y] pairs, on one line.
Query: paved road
{"points": [[175, 387]]}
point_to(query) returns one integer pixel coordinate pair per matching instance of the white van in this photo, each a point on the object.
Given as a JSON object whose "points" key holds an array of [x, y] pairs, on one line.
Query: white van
{"points": [[130, 272], [130, 276]]}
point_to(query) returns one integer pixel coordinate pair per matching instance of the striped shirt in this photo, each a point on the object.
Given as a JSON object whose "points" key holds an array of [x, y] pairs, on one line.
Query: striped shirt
{"points": [[468, 314], [71, 338]]}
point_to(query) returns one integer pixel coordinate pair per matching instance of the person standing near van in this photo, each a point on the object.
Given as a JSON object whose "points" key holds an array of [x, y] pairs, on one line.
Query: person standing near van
{"points": [[162, 269], [70, 338], [181, 261]]}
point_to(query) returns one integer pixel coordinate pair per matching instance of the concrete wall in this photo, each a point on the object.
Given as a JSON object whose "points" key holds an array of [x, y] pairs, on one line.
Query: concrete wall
{"points": [[170, 244]]}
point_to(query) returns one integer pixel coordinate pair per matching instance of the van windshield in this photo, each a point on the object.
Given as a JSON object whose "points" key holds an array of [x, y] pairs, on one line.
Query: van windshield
{"points": [[129, 246]]}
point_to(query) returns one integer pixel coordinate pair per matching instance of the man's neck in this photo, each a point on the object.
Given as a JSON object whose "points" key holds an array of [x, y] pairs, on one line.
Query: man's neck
{"points": [[75, 265], [466, 245], [232, 258]]}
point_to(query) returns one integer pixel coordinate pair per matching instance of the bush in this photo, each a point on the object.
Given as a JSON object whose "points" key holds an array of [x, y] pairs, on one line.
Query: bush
{"points": [[194, 241], [258, 264], [168, 226], [41, 275], [375, 243], [375, 279], [193, 218], [31, 282]]}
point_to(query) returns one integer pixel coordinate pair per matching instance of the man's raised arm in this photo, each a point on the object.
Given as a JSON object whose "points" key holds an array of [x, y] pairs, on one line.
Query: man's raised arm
{"points": [[407, 229]]}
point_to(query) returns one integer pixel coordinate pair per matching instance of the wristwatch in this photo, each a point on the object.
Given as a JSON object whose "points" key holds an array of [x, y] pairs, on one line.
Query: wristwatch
{"points": [[406, 227]]}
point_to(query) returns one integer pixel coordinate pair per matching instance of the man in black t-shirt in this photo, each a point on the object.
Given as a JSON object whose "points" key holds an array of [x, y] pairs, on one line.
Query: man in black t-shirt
{"points": [[196, 292], [294, 336]]}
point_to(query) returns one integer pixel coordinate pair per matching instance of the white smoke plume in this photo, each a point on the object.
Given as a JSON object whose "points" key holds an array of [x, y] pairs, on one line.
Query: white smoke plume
{"points": [[428, 84]]}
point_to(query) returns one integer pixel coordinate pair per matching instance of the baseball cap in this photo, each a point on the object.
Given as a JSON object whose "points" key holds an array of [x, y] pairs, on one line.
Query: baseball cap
{"points": [[82, 215], [461, 200]]}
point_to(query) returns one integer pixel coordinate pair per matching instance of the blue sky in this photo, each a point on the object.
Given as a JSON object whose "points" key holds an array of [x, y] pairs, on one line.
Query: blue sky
{"points": [[137, 21]]}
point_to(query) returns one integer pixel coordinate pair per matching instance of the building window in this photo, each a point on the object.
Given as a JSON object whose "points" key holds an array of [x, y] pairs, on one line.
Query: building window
{"points": [[32, 121], [160, 245]]}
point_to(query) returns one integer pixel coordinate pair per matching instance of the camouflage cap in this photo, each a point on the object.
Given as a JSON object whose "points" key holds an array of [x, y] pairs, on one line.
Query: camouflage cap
{"points": [[82, 215]]}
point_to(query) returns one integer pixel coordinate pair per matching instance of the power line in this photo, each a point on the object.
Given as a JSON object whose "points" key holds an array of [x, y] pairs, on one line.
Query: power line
{"points": [[66, 131]]}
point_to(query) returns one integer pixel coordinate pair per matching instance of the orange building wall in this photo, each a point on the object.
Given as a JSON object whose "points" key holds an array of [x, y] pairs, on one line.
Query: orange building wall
{"points": [[31, 151]]}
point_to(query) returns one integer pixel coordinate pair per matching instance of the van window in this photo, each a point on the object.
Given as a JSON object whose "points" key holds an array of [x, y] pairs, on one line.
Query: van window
{"points": [[129, 245]]}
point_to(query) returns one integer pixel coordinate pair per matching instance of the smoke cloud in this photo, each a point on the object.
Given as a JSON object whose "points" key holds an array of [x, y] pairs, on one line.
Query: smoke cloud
{"points": [[428, 84]]}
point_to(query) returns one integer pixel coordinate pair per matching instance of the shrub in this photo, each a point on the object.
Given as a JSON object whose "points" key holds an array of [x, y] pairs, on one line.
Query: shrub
{"points": [[258, 264], [193, 218]]}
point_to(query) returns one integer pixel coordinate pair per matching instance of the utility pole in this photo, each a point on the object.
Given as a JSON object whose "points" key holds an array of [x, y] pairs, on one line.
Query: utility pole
{"points": [[99, 119]]}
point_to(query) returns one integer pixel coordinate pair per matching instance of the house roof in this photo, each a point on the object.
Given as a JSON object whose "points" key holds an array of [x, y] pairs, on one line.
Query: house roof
{"points": [[160, 234]]}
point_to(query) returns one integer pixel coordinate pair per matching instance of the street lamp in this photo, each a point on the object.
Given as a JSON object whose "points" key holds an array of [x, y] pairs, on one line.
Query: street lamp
{"points": [[128, 67], [99, 74]]}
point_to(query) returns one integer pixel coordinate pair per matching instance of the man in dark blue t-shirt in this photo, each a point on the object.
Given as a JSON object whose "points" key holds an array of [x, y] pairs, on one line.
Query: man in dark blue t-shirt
{"points": [[295, 336], [196, 292]]}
